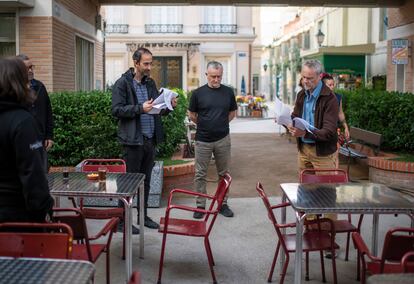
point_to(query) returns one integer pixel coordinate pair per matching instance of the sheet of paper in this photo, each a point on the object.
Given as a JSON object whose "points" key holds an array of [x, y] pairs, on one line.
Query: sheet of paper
{"points": [[163, 101], [303, 124], [283, 113]]}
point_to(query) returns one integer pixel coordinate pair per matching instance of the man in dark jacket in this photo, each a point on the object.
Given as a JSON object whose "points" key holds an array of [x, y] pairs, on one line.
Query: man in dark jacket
{"points": [[41, 109], [318, 106], [138, 132]]}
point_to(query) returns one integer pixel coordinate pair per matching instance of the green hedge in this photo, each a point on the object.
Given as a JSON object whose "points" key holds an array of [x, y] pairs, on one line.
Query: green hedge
{"points": [[388, 113], [85, 128]]}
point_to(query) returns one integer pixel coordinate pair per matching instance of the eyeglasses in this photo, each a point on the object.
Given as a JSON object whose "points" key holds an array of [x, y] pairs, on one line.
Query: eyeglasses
{"points": [[30, 67]]}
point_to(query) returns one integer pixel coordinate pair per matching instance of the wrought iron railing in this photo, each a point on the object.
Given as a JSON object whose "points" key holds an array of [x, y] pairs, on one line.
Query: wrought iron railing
{"points": [[164, 28], [116, 28], [218, 29]]}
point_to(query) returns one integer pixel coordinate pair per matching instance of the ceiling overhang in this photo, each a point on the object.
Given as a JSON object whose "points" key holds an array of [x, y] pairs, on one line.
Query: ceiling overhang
{"points": [[305, 3], [17, 3]]}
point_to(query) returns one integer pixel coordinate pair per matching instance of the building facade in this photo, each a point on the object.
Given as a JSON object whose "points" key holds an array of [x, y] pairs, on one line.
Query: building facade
{"points": [[400, 77], [350, 42], [183, 39], [62, 37]]}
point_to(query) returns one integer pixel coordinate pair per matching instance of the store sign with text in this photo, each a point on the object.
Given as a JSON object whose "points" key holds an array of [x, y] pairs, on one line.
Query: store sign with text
{"points": [[399, 51]]}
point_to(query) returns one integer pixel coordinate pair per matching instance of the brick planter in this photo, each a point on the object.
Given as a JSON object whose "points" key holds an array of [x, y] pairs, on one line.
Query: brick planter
{"points": [[178, 176], [392, 173]]}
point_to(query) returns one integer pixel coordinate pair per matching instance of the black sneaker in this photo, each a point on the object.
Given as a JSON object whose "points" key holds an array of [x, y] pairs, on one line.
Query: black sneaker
{"points": [[226, 211], [149, 223], [328, 254], [135, 230], [198, 215]]}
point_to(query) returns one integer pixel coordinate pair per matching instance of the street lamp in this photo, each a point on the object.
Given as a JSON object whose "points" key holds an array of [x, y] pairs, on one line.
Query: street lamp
{"points": [[320, 37], [265, 67]]}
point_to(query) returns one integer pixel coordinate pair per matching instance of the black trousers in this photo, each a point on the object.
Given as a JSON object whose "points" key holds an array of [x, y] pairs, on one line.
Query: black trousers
{"points": [[140, 159]]}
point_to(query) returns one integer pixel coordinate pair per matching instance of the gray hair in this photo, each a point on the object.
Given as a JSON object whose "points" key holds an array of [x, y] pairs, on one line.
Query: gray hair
{"points": [[23, 57], [214, 65], [314, 64]]}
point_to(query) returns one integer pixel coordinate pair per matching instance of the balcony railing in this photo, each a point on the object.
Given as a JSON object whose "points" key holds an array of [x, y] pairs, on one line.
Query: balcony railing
{"points": [[218, 29], [116, 28], [164, 29]]}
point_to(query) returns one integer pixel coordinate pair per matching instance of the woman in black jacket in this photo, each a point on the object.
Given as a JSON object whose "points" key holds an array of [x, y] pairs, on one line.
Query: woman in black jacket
{"points": [[24, 191]]}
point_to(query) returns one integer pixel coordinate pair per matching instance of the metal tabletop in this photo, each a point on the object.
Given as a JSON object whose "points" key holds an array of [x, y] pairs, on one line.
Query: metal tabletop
{"points": [[346, 198], [45, 271], [123, 186], [364, 198]]}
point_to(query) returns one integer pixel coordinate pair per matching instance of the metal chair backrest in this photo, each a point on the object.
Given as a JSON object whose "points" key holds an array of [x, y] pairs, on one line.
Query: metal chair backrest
{"points": [[111, 165], [217, 202], [397, 243], [269, 209], [323, 176], [407, 262], [40, 240], [76, 220]]}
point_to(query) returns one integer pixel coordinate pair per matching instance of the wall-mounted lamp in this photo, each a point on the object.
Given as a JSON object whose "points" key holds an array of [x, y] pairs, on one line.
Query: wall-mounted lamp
{"points": [[320, 37], [265, 67]]}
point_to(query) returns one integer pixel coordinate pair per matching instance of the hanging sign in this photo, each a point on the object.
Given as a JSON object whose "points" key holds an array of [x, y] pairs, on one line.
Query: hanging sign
{"points": [[399, 53]]}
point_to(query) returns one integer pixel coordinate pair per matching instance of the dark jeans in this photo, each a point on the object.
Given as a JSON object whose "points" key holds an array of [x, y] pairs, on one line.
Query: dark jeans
{"points": [[140, 159]]}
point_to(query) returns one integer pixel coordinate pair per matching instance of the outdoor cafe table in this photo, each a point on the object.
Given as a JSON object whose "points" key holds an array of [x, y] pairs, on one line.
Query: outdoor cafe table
{"points": [[354, 198], [122, 186], [45, 271]]}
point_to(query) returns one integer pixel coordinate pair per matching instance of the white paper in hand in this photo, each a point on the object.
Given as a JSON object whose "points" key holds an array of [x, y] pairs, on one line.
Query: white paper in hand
{"points": [[283, 113], [303, 124], [163, 101]]}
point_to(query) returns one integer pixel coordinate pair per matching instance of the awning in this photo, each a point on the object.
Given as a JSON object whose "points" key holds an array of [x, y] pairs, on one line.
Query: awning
{"points": [[17, 3], [343, 64]]}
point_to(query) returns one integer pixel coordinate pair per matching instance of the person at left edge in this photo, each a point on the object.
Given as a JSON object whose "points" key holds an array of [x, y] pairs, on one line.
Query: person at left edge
{"points": [[24, 190], [41, 109], [139, 132]]}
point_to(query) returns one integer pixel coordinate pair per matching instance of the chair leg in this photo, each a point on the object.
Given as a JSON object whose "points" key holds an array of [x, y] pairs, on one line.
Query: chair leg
{"points": [[322, 266], [358, 266], [108, 267], [208, 248], [210, 261], [348, 237], [334, 266], [272, 268], [285, 266], [164, 239], [307, 266]]}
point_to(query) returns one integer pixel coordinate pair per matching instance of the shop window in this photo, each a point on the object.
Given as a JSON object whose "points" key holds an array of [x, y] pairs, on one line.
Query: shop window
{"points": [[255, 84], [7, 34], [114, 67], [84, 64], [399, 77]]}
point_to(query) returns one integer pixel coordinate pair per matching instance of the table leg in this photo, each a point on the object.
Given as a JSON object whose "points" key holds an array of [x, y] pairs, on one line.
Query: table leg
{"points": [[283, 219], [374, 244], [141, 221], [128, 236], [298, 254]]}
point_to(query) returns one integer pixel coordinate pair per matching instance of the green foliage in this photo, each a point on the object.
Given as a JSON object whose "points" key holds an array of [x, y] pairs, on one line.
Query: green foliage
{"points": [[174, 127], [388, 113], [85, 127]]}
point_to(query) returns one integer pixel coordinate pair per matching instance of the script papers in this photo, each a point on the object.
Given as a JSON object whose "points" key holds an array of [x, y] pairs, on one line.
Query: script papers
{"points": [[163, 101], [283, 117]]}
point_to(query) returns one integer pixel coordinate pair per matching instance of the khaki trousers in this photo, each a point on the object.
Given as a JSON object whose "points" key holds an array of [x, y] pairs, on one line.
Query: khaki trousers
{"points": [[307, 159]]}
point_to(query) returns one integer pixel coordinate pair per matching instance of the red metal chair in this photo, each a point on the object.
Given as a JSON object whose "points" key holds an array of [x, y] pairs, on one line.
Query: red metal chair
{"points": [[135, 278], [333, 176], [313, 239], [407, 262], [84, 249], [41, 240], [112, 166], [193, 228], [397, 243]]}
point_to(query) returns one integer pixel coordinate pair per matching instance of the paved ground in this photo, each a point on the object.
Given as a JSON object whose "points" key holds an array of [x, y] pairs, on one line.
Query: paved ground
{"points": [[243, 246]]}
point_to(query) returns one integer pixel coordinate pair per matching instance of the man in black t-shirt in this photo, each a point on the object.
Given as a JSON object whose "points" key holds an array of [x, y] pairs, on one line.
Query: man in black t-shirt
{"points": [[212, 107]]}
